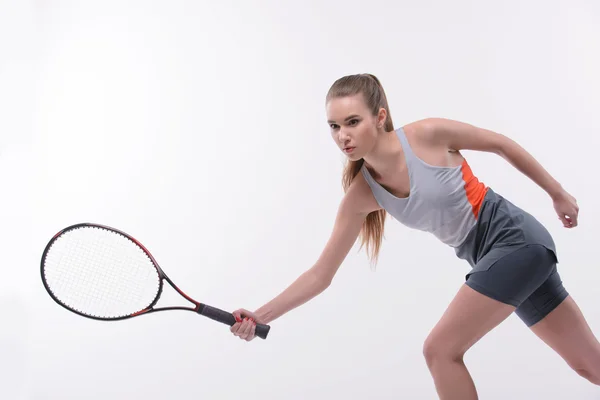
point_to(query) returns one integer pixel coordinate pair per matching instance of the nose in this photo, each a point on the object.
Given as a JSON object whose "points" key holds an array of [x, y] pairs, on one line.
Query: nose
{"points": [[343, 136]]}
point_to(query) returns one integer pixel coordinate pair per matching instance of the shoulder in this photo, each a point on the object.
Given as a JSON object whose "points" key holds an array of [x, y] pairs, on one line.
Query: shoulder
{"points": [[425, 132], [454, 135], [428, 129]]}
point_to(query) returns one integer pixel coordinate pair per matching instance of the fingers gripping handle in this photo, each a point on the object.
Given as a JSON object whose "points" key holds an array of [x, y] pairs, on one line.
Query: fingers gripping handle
{"points": [[227, 318]]}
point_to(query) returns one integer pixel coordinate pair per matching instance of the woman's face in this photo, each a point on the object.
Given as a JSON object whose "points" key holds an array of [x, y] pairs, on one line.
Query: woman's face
{"points": [[353, 126]]}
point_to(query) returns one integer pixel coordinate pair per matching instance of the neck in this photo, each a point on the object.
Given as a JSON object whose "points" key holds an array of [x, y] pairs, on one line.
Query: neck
{"points": [[386, 153]]}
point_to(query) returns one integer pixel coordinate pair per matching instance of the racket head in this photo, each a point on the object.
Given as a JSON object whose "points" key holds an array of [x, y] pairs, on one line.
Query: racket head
{"points": [[100, 272]]}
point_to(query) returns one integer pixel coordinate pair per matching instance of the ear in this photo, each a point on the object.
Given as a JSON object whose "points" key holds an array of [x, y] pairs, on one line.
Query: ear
{"points": [[381, 118]]}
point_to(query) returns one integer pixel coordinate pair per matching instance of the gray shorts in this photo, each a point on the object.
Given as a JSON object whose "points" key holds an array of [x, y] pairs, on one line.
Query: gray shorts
{"points": [[527, 279], [513, 259]]}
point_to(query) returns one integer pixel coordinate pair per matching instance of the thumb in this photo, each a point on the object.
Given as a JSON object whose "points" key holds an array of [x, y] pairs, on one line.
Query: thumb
{"points": [[240, 313], [565, 220]]}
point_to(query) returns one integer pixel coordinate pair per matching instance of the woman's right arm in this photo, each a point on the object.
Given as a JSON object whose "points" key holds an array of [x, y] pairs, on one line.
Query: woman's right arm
{"points": [[357, 203]]}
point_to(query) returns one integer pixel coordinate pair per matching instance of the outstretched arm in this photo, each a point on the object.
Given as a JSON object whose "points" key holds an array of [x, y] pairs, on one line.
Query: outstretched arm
{"points": [[459, 135], [357, 203]]}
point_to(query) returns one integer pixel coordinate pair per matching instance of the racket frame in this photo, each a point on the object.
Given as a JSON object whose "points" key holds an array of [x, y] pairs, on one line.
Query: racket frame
{"points": [[200, 308]]}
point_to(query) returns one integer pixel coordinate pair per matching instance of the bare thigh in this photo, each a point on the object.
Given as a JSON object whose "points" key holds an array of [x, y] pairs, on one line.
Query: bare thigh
{"points": [[468, 317], [566, 331]]}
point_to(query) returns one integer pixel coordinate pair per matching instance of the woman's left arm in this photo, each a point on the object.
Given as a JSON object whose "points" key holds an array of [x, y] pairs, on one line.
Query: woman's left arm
{"points": [[458, 135]]}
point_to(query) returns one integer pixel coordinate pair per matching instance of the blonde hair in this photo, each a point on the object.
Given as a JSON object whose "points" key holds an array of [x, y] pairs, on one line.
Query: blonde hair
{"points": [[370, 88]]}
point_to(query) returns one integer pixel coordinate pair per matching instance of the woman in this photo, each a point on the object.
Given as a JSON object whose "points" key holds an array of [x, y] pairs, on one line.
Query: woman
{"points": [[418, 175]]}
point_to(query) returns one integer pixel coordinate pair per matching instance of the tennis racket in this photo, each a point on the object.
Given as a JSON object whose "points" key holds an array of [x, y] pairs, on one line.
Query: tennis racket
{"points": [[102, 273]]}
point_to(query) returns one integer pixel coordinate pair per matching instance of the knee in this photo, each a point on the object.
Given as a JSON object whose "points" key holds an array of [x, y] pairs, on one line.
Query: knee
{"points": [[587, 367], [589, 374], [436, 351]]}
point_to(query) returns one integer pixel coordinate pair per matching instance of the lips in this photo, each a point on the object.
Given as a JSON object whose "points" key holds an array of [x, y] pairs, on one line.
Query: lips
{"points": [[348, 149]]}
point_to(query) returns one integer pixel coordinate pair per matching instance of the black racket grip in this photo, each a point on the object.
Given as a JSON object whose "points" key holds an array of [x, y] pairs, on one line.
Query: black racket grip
{"points": [[227, 318]]}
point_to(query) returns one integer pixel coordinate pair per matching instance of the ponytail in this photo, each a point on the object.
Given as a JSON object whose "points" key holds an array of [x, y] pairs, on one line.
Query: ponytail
{"points": [[370, 87]]}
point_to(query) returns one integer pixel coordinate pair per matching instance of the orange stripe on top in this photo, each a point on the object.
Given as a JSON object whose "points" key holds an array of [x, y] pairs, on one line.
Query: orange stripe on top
{"points": [[475, 189]]}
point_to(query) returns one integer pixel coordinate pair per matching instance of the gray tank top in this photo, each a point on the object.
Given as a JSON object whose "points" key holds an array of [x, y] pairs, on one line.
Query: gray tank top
{"points": [[443, 200], [452, 204]]}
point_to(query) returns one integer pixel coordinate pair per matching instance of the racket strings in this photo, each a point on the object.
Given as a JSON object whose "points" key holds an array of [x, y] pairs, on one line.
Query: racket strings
{"points": [[98, 279], [100, 273]]}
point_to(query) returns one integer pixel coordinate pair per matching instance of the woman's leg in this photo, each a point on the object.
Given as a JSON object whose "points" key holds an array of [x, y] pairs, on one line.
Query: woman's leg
{"points": [[488, 297], [467, 319], [552, 314], [566, 331]]}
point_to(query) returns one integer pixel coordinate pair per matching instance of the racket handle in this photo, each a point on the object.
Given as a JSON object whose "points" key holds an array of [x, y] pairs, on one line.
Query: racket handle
{"points": [[227, 318]]}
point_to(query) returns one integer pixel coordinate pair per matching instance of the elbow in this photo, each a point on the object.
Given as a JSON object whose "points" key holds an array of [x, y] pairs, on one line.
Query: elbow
{"points": [[503, 146], [323, 281], [321, 277], [326, 282]]}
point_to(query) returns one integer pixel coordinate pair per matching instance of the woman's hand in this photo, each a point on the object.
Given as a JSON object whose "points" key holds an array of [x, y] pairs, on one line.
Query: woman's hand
{"points": [[245, 326], [567, 209]]}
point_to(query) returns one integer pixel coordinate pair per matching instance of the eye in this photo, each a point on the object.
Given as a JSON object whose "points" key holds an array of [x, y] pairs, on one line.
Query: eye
{"points": [[354, 122], [333, 126]]}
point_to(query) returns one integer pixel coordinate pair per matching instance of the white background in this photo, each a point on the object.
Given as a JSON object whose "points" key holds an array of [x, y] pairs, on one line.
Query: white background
{"points": [[199, 127]]}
